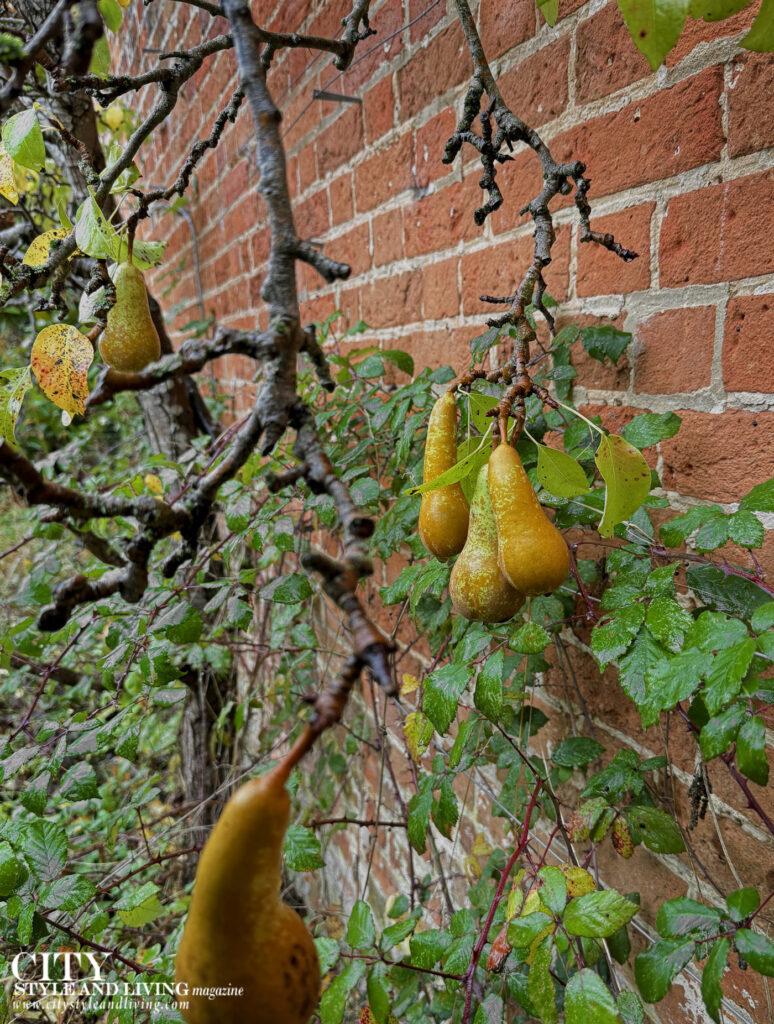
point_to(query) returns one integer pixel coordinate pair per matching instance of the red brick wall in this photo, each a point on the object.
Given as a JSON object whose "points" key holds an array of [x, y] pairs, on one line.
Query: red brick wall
{"points": [[682, 169]]}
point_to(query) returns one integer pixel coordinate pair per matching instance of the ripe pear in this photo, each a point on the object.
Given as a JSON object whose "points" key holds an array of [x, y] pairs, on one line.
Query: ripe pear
{"points": [[443, 514], [238, 932], [532, 553], [129, 341], [477, 587]]}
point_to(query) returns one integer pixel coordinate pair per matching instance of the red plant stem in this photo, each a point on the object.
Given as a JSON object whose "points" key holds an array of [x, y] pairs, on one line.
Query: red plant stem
{"points": [[478, 949]]}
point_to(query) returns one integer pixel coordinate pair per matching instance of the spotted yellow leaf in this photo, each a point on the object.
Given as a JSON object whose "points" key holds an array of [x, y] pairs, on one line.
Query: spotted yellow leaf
{"points": [[579, 881], [408, 684], [418, 730], [40, 248], [8, 187], [153, 483], [60, 359]]}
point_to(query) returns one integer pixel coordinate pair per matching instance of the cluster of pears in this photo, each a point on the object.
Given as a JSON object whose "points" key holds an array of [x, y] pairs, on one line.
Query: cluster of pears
{"points": [[130, 341], [507, 545], [238, 933]]}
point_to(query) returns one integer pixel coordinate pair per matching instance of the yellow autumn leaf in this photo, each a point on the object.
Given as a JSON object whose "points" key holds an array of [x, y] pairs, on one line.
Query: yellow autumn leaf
{"points": [[418, 730], [124, 3], [60, 359], [408, 684], [153, 483], [579, 881], [481, 847], [515, 897], [7, 180], [112, 116], [40, 248], [472, 868]]}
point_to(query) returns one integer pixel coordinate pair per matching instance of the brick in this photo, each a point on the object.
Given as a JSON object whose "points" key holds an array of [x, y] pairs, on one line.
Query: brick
{"points": [[601, 272], [440, 289], [519, 180], [394, 300], [433, 70], [696, 32], [498, 269], [675, 351], [387, 234], [537, 88], [386, 44], [434, 223], [353, 248], [349, 304], [307, 167], [607, 59], [317, 308], [719, 457], [665, 134], [748, 344], [447, 346], [379, 109], [340, 192], [750, 124], [430, 142], [340, 141], [426, 21], [708, 235], [384, 175], [312, 215], [504, 24]]}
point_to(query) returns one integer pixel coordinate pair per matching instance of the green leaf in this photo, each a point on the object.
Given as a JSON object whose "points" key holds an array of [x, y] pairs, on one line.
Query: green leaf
{"points": [[716, 10], [530, 639], [761, 36], [654, 25], [111, 13], [522, 931], [10, 871], [657, 966], [378, 994], [327, 953], [302, 849], [746, 530], [399, 931], [717, 735], [671, 681], [12, 395], [419, 809], [668, 622], [428, 947], [598, 914], [587, 1000], [651, 427], [757, 950], [418, 731], [627, 477], [443, 689], [630, 1008], [724, 679], [549, 9], [763, 617], [491, 1010], [711, 992], [67, 894], [100, 58], [576, 750], [398, 358], [23, 139], [79, 782], [761, 497], [655, 829], [291, 588], [553, 891], [465, 465], [713, 534], [140, 907], [682, 916], [481, 345], [45, 847], [742, 903], [488, 695], [559, 473], [361, 933], [94, 234], [334, 998], [540, 987], [605, 342], [751, 750]]}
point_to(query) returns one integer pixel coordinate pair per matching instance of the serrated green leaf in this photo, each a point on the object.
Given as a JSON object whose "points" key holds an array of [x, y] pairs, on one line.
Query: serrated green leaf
{"points": [[419, 810], [140, 907], [724, 679], [428, 947], [327, 952], [23, 139], [522, 931], [488, 695], [598, 914], [361, 933], [627, 478], [302, 849], [651, 427], [79, 782], [746, 530], [751, 750], [443, 689], [656, 967], [742, 903], [683, 916], [761, 497], [668, 622], [605, 342], [576, 750], [587, 1000], [10, 871], [711, 992], [717, 735], [655, 829], [334, 998], [669, 682], [553, 891], [292, 588], [758, 950], [45, 847], [540, 987], [67, 894], [530, 639]]}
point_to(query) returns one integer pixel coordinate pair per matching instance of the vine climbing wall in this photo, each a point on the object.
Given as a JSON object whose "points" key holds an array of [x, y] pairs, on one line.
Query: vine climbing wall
{"points": [[682, 169]]}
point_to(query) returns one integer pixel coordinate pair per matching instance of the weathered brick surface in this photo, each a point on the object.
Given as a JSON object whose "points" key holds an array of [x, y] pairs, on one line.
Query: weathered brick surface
{"points": [[504, 24], [600, 271], [607, 59], [747, 345], [752, 85], [675, 351], [538, 87]]}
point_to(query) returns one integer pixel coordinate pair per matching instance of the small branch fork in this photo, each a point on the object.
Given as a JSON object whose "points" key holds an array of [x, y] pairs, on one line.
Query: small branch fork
{"points": [[500, 127]]}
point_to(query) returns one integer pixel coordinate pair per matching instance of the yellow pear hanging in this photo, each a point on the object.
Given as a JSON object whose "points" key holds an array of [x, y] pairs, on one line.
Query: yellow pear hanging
{"points": [[130, 340], [443, 514], [239, 933]]}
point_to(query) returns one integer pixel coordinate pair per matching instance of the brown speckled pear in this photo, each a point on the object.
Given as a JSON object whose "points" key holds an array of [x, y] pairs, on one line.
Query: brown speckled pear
{"points": [[129, 341], [477, 587], [238, 932], [532, 552], [443, 514]]}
